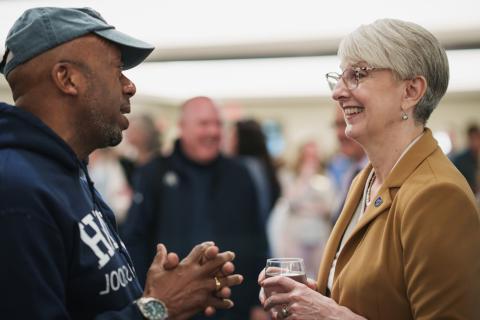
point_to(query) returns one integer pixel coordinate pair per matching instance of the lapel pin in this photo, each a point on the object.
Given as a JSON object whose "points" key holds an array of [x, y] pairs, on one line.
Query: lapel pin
{"points": [[170, 179], [378, 202]]}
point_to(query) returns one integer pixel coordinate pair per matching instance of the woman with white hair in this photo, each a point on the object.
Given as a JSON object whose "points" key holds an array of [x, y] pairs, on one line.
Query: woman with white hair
{"points": [[407, 243]]}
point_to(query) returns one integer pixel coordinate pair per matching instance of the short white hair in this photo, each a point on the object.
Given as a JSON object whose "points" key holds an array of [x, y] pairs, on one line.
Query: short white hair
{"points": [[406, 48]]}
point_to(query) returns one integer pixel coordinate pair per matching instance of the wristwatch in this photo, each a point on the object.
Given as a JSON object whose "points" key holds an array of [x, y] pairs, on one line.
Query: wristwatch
{"points": [[152, 309]]}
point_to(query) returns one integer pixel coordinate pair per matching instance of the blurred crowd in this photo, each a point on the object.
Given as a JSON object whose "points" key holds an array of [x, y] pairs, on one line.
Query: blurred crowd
{"points": [[386, 223], [221, 182]]}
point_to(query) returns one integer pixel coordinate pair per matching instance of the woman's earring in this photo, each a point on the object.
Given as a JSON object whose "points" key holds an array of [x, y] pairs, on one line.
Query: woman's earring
{"points": [[404, 116]]}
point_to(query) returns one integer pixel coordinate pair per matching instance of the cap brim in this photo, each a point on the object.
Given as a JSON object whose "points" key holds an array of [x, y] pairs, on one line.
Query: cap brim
{"points": [[4, 61], [133, 51]]}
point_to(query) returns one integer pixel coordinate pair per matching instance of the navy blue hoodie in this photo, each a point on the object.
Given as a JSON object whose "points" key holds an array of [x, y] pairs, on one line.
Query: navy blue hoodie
{"points": [[60, 255]]}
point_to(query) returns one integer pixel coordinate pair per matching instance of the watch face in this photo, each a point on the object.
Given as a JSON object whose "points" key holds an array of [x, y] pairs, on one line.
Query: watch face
{"points": [[154, 310]]}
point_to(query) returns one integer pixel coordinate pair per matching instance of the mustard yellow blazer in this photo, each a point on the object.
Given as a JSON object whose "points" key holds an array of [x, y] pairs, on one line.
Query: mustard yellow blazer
{"points": [[415, 253]]}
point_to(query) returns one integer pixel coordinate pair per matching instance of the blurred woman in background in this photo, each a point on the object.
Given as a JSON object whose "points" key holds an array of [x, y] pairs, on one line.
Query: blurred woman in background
{"points": [[249, 144], [300, 224]]}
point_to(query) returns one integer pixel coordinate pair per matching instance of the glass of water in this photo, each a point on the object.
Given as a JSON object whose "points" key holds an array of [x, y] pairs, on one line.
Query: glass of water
{"points": [[293, 268]]}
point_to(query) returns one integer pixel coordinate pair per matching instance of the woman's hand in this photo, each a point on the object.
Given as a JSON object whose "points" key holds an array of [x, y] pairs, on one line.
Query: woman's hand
{"points": [[261, 294], [293, 300], [312, 284]]}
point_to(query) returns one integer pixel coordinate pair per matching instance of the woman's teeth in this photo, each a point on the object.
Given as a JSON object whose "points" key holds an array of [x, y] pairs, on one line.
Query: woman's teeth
{"points": [[353, 110]]}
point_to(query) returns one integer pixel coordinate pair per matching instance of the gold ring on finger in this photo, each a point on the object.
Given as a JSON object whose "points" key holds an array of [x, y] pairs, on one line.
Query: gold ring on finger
{"points": [[218, 284]]}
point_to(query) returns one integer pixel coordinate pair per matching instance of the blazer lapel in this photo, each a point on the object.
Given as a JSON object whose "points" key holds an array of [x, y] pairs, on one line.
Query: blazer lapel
{"points": [[353, 197], [382, 202]]}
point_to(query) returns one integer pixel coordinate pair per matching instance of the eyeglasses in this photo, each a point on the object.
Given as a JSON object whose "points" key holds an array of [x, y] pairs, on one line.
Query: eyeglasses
{"points": [[351, 76]]}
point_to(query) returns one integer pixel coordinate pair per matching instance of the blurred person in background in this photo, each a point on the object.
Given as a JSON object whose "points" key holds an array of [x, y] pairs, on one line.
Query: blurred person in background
{"points": [[407, 243], [350, 160], [144, 140], [59, 247], [300, 223], [249, 144], [467, 161], [113, 169], [196, 194], [110, 179]]}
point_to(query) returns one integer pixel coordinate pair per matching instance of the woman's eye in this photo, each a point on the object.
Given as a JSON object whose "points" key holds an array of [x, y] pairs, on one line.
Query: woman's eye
{"points": [[361, 74]]}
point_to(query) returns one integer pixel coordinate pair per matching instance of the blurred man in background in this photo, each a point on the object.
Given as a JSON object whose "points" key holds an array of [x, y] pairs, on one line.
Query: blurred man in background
{"points": [[353, 159], [467, 160], [197, 194]]}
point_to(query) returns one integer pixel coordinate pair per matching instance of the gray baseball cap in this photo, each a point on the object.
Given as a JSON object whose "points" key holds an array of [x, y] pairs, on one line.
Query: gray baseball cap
{"points": [[44, 28]]}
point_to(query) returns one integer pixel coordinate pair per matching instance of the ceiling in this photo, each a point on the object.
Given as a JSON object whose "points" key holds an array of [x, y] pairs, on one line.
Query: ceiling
{"points": [[265, 48]]}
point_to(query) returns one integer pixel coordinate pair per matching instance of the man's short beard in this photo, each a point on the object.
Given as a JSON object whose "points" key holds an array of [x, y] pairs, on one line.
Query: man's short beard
{"points": [[112, 135], [108, 135]]}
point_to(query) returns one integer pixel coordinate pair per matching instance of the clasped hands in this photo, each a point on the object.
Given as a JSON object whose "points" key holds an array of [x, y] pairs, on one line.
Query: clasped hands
{"points": [[201, 281]]}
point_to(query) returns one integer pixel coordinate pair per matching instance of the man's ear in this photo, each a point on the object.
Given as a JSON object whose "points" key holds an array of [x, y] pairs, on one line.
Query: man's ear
{"points": [[67, 78], [414, 91]]}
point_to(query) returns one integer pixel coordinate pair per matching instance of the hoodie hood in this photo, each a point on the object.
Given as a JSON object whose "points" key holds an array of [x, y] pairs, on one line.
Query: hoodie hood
{"points": [[23, 130]]}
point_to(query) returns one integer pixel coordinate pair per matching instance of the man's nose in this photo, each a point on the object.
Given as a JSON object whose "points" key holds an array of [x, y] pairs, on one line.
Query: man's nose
{"points": [[129, 87]]}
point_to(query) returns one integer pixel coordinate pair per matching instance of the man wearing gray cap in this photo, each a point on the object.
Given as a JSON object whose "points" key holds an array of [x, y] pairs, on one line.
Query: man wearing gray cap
{"points": [[60, 255]]}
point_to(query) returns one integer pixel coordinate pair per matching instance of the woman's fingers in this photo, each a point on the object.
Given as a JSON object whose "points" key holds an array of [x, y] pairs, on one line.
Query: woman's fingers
{"points": [[261, 296], [285, 284], [278, 299], [312, 284], [261, 276]]}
